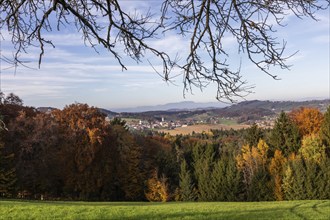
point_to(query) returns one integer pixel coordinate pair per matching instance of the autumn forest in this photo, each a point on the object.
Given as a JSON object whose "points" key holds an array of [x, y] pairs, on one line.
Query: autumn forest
{"points": [[76, 154]]}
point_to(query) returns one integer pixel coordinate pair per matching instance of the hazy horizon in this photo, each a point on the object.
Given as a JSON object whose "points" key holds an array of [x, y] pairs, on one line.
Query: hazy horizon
{"points": [[181, 104]]}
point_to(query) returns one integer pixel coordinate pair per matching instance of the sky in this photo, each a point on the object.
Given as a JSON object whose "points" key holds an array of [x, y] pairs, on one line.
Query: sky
{"points": [[72, 72]]}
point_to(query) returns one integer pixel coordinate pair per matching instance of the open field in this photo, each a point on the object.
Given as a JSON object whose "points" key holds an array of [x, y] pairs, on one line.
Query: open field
{"points": [[202, 128], [314, 209]]}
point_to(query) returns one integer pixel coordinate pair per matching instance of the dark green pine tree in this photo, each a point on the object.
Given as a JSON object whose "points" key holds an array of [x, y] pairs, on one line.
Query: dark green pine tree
{"points": [[285, 135], [322, 183], [187, 189], [312, 179], [260, 189], [7, 173], [226, 180], [203, 157], [325, 131], [218, 181], [297, 188], [252, 135], [307, 180], [233, 180]]}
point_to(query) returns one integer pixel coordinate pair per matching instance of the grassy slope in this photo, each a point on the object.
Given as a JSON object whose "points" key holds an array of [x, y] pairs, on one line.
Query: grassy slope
{"points": [[127, 210]]}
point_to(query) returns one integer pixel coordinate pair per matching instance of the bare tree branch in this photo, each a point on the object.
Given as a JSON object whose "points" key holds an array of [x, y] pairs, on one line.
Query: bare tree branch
{"points": [[205, 23]]}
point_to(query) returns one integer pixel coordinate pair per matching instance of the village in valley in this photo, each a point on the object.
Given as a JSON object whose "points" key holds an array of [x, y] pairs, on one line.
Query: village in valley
{"points": [[241, 115]]}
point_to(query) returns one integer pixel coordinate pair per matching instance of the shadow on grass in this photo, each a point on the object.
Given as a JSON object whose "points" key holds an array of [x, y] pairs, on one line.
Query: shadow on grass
{"points": [[293, 210], [270, 213], [142, 210], [315, 207]]}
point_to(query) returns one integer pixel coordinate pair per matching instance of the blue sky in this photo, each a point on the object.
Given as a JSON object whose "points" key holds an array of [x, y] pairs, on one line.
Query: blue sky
{"points": [[73, 72]]}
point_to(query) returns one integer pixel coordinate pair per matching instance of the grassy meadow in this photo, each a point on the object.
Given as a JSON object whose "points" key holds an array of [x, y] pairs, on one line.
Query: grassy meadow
{"points": [[313, 209], [200, 128]]}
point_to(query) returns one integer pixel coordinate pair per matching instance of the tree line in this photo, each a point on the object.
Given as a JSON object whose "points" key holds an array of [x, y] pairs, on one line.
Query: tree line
{"points": [[77, 154]]}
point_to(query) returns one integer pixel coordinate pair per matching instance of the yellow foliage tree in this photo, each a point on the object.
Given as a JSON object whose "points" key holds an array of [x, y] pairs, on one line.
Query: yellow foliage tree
{"points": [[157, 189], [262, 152], [276, 169], [312, 148], [251, 159]]}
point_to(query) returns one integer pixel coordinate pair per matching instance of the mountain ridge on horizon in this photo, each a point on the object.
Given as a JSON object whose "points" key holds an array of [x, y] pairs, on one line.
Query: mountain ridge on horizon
{"points": [[191, 105], [173, 106]]}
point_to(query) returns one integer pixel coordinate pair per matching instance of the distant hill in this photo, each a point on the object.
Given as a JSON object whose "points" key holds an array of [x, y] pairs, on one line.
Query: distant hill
{"points": [[246, 111], [45, 109], [278, 106], [109, 113], [256, 109], [179, 106]]}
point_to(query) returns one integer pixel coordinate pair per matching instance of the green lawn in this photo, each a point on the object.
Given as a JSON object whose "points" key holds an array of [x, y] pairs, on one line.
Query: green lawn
{"points": [[318, 209], [227, 121]]}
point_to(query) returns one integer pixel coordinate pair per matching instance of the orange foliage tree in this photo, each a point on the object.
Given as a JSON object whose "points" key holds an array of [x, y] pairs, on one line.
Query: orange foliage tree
{"points": [[308, 120], [84, 124]]}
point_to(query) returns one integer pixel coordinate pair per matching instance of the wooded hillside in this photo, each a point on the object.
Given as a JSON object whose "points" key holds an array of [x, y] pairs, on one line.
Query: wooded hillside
{"points": [[75, 154]]}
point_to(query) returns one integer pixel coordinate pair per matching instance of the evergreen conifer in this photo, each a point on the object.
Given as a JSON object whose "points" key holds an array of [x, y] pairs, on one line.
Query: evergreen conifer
{"points": [[187, 189]]}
